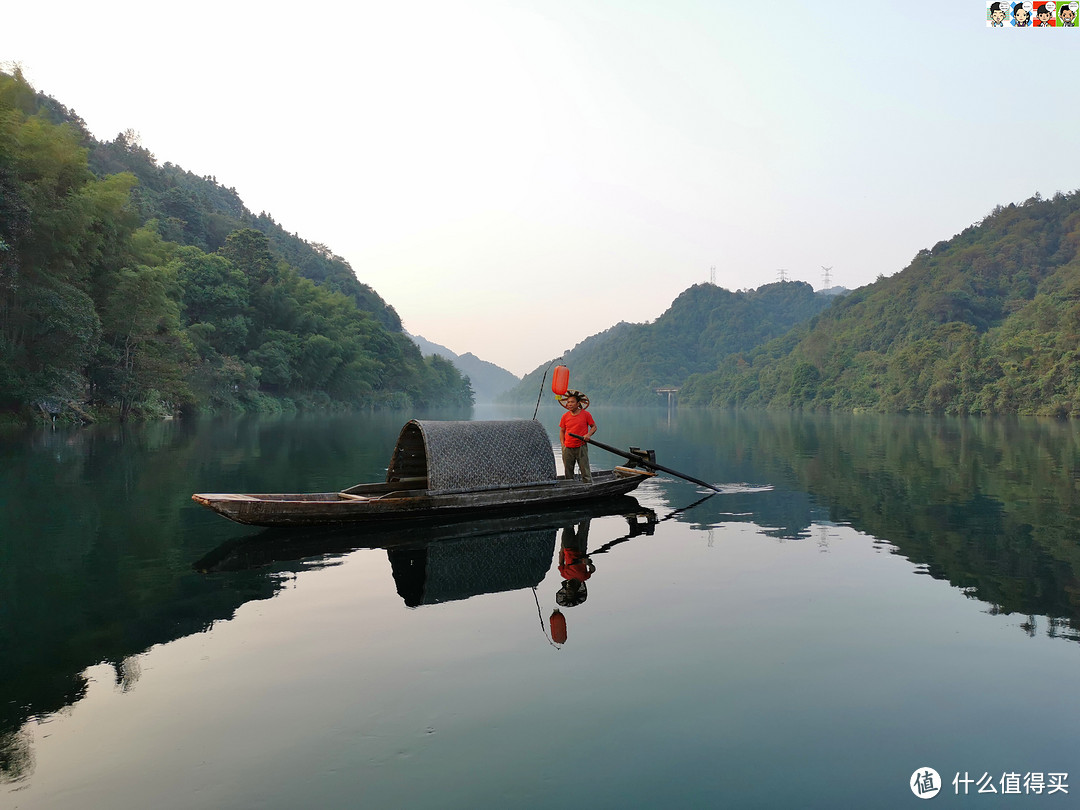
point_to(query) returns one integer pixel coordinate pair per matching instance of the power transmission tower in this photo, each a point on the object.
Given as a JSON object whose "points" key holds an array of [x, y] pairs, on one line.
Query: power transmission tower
{"points": [[712, 275], [781, 274], [826, 278]]}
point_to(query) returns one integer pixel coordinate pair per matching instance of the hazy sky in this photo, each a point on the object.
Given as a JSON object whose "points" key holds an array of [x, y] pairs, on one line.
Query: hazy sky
{"points": [[516, 175]]}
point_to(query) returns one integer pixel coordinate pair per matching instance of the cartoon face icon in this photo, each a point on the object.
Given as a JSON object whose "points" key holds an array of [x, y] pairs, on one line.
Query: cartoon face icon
{"points": [[997, 13], [1044, 15], [1021, 15], [1068, 15]]}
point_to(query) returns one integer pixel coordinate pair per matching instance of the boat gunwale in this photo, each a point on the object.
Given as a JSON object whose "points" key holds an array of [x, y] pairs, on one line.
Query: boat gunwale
{"points": [[257, 509], [609, 476]]}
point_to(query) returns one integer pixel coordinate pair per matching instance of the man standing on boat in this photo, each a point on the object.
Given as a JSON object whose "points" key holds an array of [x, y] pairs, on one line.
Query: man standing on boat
{"points": [[575, 451]]}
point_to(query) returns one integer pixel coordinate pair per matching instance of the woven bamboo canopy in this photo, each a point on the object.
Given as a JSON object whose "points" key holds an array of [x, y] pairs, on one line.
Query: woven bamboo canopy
{"points": [[454, 456]]}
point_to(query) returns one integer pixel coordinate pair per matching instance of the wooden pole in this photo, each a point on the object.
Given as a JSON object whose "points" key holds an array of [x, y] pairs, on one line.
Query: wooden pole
{"points": [[646, 463]]}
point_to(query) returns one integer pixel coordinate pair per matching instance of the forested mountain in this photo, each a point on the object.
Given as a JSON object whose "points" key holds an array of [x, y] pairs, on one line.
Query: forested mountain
{"points": [[628, 362], [487, 379], [987, 322], [151, 290], [193, 210]]}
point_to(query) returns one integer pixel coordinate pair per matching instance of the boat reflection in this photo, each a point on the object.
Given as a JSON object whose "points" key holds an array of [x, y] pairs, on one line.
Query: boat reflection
{"points": [[438, 562]]}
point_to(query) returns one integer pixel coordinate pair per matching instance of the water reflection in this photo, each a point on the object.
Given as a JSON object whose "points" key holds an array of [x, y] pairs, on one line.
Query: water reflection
{"points": [[575, 566], [437, 563], [990, 506], [432, 562]]}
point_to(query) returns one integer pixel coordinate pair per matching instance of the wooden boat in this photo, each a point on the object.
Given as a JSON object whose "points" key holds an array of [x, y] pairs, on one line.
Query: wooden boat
{"points": [[440, 469], [295, 548]]}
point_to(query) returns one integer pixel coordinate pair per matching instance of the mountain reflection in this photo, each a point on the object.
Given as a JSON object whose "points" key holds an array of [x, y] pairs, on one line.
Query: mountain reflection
{"points": [[98, 536], [990, 505], [432, 563], [86, 576]]}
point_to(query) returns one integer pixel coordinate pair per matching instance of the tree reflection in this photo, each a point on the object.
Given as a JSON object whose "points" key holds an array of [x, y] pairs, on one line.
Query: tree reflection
{"points": [[16, 756], [990, 505]]}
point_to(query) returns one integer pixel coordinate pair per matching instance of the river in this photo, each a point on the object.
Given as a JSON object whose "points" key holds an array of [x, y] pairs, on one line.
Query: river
{"points": [[869, 598]]}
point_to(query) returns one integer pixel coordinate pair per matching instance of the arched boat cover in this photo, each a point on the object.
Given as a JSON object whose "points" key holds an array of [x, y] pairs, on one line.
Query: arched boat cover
{"points": [[455, 456], [449, 570]]}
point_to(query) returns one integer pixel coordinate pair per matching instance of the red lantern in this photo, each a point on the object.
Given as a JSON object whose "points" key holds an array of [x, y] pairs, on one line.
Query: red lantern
{"points": [[560, 380], [558, 627]]}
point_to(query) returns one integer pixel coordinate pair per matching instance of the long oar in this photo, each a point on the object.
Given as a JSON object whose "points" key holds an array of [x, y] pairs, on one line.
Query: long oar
{"points": [[637, 533], [646, 463]]}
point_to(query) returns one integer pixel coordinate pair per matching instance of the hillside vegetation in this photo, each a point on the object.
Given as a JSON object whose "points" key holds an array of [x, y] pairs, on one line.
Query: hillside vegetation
{"points": [[987, 322], [128, 288], [628, 362]]}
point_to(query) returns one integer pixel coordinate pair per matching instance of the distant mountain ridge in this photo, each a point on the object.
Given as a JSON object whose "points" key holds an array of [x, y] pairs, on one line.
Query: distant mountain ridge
{"points": [[626, 363], [488, 379], [987, 322]]}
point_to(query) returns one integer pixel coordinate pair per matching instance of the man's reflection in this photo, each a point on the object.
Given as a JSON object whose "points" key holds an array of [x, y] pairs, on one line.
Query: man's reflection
{"points": [[575, 566]]}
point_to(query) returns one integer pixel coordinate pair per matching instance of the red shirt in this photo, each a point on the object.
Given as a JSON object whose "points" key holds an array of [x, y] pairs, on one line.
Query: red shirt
{"points": [[578, 423], [573, 565]]}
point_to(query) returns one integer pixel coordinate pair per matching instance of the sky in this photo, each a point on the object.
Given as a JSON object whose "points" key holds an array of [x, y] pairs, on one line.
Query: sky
{"points": [[513, 176]]}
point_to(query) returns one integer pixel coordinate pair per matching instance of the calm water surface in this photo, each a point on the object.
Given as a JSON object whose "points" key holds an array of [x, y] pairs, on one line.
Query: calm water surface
{"points": [[869, 597]]}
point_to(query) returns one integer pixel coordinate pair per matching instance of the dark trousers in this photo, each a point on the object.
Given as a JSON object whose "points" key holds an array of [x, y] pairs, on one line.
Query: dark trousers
{"points": [[579, 456]]}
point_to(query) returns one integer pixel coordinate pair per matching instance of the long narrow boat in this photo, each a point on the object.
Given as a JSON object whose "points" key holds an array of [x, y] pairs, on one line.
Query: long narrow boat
{"points": [[440, 469], [282, 546]]}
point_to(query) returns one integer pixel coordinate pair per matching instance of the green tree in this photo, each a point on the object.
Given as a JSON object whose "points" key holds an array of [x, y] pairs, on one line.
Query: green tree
{"points": [[215, 297], [146, 348], [108, 293]]}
